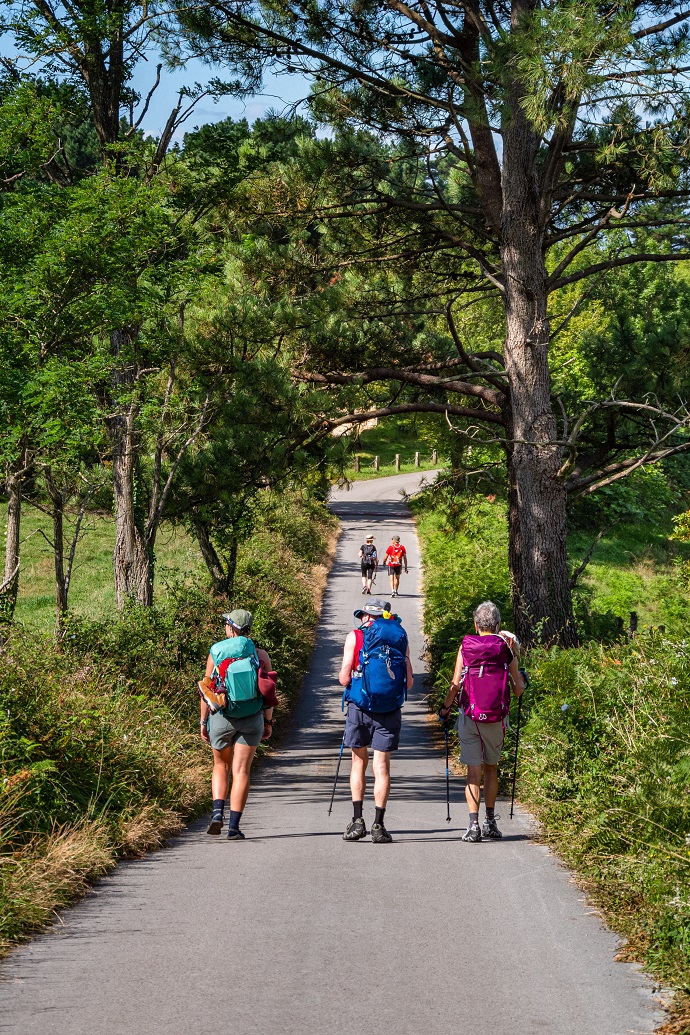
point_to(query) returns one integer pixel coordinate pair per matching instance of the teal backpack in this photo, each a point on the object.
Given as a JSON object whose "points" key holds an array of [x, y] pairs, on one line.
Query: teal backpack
{"points": [[236, 672]]}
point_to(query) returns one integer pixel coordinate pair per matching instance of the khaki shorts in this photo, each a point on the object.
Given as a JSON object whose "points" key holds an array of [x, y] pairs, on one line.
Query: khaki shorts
{"points": [[224, 732], [480, 741]]}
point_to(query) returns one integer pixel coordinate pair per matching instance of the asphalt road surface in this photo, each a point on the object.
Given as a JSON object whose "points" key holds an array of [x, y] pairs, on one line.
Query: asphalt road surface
{"points": [[296, 931]]}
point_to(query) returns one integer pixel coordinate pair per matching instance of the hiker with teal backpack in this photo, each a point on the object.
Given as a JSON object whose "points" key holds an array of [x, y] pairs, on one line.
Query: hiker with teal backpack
{"points": [[377, 673], [237, 696], [485, 669]]}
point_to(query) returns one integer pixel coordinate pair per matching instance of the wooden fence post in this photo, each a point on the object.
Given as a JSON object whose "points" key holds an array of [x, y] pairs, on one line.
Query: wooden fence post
{"points": [[633, 623], [376, 463], [356, 463], [416, 459], [397, 461], [434, 457]]}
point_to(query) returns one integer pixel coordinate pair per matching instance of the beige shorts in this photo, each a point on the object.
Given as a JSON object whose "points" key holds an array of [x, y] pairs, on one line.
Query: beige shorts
{"points": [[480, 741]]}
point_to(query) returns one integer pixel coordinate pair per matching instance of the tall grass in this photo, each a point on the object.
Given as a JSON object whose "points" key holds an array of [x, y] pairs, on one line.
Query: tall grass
{"points": [[100, 753], [606, 768]]}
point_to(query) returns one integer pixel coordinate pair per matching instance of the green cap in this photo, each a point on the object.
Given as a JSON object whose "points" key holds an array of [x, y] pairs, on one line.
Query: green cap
{"points": [[239, 619]]}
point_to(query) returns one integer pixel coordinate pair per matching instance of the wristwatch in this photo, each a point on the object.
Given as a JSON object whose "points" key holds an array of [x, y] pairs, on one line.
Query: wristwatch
{"points": [[269, 721]]}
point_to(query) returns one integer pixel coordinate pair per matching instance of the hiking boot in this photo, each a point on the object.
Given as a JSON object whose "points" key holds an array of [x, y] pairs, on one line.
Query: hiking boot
{"points": [[379, 834], [490, 830], [472, 833], [364, 590], [235, 834], [216, 824], [356, 830]]}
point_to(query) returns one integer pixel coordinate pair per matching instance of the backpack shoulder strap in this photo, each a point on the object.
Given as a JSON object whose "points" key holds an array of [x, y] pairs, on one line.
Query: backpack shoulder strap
{"points": [[359, 643]]}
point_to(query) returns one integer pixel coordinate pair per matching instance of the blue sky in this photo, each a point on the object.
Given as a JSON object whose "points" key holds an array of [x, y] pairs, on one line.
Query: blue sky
{"points": [[279, 93]]}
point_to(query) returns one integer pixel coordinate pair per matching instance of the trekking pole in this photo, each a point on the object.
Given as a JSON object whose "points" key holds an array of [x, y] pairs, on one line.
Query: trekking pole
{"points": [[340, 758], [515, 762], [447, 779]]}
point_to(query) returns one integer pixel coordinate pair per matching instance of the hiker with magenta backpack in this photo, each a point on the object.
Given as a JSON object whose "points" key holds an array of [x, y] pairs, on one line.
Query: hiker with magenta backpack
{"points": [[237, 697], [377, 673], [485, 669]]}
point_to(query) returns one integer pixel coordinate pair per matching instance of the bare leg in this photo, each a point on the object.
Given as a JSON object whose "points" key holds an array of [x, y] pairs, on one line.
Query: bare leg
{"points": [[490, 785], [220, 781], [358, 773], [396, 582], [382, 778], [473, 791], [241, 764]]}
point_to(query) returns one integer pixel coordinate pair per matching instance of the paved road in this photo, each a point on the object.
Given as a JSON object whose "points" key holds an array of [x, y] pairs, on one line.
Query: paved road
{"points": [[296, 931]]}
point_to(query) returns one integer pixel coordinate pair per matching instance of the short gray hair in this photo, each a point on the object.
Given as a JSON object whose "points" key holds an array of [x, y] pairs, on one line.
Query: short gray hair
{"points": [[487, 617]]}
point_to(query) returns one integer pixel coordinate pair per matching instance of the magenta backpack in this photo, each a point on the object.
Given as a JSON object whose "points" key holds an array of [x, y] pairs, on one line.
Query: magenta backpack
{"points": [[485, 694]]}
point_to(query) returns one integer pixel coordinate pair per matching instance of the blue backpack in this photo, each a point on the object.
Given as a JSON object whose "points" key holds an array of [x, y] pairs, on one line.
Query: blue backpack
{"points": [[379, 677]]}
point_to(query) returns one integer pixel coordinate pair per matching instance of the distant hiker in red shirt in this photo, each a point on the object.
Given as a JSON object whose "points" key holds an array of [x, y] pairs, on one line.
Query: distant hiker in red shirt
{"points": [[394, 559]]}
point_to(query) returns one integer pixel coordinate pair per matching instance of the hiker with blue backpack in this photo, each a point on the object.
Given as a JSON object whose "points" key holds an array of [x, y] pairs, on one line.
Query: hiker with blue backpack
{"points": [[376, 672], [237, 696], [485, 669]]}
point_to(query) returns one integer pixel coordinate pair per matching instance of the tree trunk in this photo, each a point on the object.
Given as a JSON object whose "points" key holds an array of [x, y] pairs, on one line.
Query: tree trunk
{"points": [[133, 554], [132, 558], [13, 487], [57, 505], [537, 500], [222, 576], [14, 483]]}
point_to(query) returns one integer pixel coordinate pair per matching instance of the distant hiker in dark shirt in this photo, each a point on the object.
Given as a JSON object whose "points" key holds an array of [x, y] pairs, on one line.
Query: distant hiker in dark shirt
{"points": [[370, 562], [485, 668], [395, 558], [375, 689]]}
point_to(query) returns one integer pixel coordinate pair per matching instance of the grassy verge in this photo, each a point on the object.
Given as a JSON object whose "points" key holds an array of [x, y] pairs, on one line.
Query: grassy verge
{"points": [[92, 592], [389, 438], [100, 755], [605, 755]]}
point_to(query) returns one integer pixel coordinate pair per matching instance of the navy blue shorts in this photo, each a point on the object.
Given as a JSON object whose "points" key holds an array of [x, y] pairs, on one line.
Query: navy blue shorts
{"points": [[378, 730]]}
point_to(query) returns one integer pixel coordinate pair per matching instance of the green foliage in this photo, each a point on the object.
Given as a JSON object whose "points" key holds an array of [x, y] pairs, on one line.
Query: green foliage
{"points": [[465, 546], [606, 767], [403, 435]]}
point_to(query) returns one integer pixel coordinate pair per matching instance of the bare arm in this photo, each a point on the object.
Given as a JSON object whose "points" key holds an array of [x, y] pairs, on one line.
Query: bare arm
{"points": [[203, 707], [516, 678], [267, 666], [454, 684], [410, 673], [345, 674], [264, 659]]}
